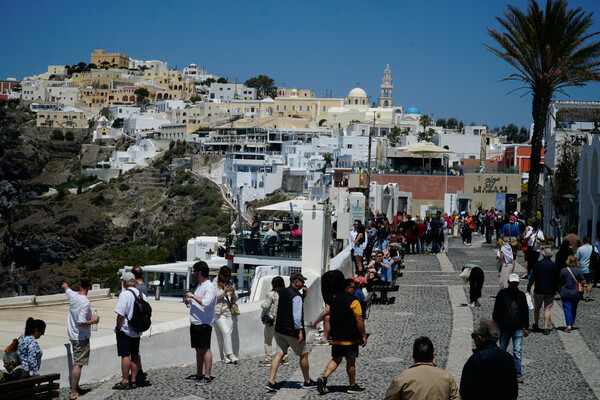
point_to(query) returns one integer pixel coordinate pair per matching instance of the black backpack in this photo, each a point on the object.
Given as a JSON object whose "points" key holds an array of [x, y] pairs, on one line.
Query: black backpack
{"points": [[142, 313], [594, 261]]}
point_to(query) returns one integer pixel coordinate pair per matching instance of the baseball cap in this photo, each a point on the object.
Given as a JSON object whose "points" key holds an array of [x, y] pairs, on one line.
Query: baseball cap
{"points": [[129, 278], [297, 275], [352, 278], [361, 279], [513, 278], [512, 218]]}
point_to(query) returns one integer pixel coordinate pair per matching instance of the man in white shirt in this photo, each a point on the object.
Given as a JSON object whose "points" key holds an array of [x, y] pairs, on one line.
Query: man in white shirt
{"points": [[128, 340], [534, 238], [202, 317], [79, 324]]}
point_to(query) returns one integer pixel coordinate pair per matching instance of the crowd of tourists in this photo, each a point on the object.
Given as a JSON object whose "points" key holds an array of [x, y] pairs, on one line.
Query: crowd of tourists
{"points": [[379, 247]]}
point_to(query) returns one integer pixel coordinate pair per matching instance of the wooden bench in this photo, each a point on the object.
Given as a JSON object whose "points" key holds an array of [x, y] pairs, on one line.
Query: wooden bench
{"points": [[37, 387], [383, 291]]}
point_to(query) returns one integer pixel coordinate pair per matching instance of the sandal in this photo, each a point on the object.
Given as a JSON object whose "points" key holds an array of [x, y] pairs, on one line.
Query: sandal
{"points": [[121, 386], [133, 385], [71, 397]]}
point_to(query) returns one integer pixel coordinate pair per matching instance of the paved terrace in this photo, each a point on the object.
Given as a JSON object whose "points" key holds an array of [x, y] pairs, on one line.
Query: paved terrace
{"points": [[432, 301]]}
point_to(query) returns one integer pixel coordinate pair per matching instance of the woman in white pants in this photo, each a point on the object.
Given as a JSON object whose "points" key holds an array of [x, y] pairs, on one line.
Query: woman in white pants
{"points": [[505, 262], [226, 295], [269, 307]]}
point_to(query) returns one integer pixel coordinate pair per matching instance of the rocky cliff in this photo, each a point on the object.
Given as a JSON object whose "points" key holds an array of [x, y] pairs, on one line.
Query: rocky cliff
{"points": [[141, 217]]}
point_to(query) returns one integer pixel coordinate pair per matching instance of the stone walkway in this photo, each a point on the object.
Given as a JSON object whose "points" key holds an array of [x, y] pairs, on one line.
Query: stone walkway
{"points": [[432, 301]]}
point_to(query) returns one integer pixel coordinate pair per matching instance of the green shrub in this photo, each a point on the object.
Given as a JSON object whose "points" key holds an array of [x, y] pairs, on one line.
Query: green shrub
{"points": [[69, 136], [123, 187], [57, 134]]}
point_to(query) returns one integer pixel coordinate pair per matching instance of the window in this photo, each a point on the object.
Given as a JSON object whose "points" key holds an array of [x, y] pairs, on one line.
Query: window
{"points": [[323, 108], [284, 107], [293, 108], [277, 107], [307, 108], [349, 146], [299, 108]]}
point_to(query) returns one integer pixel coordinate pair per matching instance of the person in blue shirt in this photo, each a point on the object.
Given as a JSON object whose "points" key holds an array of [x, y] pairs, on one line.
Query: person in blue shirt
{"points": [[386, 269], [510, 233]]}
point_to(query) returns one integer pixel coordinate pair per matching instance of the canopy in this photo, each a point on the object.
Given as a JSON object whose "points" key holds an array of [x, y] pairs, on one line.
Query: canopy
{"points": [[426, 150], [297, 205], [424, 147]]}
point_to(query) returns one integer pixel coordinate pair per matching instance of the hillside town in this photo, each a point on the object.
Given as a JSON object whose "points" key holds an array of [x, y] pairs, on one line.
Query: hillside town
{"points": [[285, 137]]}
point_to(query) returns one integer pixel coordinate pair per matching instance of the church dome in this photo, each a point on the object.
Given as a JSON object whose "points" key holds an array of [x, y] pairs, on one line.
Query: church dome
{"points": [[412, 110], [357, 92]]}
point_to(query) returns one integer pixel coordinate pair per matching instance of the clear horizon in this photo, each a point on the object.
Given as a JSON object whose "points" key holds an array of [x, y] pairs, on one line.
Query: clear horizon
{"points": [[435, 50]]}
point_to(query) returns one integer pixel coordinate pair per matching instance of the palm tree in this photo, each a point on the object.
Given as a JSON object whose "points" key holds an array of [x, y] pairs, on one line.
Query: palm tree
{"points": [[550, 51], [425, 122]]}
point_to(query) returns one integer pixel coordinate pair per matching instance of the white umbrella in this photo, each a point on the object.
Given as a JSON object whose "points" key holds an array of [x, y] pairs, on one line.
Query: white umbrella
{"points": [[426, 150], [297, 205]]}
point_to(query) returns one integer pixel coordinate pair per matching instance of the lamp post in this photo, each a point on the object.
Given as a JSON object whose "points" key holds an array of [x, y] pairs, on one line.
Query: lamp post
{"points": [[375, 115]]}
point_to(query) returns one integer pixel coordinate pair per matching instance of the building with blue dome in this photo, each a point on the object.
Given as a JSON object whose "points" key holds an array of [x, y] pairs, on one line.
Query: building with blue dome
{"points": [[412, 110]]}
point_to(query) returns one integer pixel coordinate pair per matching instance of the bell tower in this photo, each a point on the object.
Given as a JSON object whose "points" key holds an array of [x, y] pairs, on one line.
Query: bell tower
{"points": [[386, 88]]}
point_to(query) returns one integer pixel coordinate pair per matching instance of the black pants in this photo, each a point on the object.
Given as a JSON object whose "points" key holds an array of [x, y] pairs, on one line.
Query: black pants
{"points": [[532, 258], [476, 279], [468, 235]]}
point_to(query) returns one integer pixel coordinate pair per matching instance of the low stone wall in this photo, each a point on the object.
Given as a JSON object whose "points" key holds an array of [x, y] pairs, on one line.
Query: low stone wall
{"points": [[166, 344]]}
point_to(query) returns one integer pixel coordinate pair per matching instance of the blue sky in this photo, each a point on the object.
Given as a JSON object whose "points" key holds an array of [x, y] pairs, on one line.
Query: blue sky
{"points": [[435, 48]]}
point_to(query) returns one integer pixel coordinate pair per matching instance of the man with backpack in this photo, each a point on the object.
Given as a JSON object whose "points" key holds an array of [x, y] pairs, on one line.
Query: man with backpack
{"points": [[133, 318]]}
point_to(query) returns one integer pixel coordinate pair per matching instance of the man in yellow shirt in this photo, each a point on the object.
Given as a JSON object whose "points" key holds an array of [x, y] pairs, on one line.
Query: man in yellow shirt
{"points": [[347, 331]]}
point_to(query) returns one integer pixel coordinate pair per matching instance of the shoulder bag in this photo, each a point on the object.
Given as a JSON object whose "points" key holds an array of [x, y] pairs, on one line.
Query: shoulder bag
{"points": [[13, 346], [266, 319], [233, 307], [580, 284]]}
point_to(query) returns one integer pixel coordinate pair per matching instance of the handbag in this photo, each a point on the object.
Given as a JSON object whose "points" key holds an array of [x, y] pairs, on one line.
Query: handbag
{"points": [[233, 307], [235, 310], [268, 321], [580, 284], [13, 346]]}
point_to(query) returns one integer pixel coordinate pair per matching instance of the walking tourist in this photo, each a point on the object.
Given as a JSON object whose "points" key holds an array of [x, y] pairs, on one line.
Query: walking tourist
{"points": [[564, 251], [423, 380], [584, 255], [556, 230], [512, 316], [573, 239], [269, 316], [490, 372], [79, 329], [468, 227], [202, 316], [505, 261], [347, 332], [544, 276], [512, 236], [28, 348], [128, 340], [476, 278], [534, 238], [571, 278], [226, 296], [289, 329]]}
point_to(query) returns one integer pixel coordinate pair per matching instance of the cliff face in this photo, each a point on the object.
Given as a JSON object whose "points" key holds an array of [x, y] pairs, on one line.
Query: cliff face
{"points": [[138, 218]]}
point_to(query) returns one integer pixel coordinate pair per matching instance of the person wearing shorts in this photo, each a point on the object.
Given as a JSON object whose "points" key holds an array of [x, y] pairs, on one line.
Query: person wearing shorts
{"points": [[289, 330], [79, 324], [545, 277], [347, 332], [128, 340], [202, 316]]}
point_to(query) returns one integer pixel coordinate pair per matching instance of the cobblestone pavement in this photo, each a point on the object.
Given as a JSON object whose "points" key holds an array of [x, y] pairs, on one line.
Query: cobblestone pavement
{"points": [[432, 301]]}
